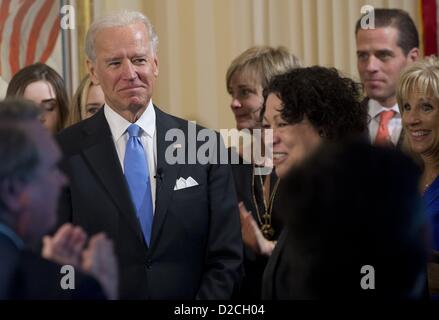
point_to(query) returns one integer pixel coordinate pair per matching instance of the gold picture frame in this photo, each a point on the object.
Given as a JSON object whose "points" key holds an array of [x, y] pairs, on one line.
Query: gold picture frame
{"points": [[84, 18]]}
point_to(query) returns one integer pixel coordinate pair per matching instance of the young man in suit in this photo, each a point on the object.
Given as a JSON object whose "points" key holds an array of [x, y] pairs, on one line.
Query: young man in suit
{"points": [[30, 184], [383, 51], [172, 241]]}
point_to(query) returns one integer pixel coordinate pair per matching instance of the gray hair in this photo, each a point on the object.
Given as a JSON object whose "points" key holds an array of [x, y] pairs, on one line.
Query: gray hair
{"points": [[16, 110], [120, 19], [18, 153]]}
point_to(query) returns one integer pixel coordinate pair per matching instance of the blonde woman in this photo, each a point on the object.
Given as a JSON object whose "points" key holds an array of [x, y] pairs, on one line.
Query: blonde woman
{"points": [[87, 100], [247, 77], [418, 100]]}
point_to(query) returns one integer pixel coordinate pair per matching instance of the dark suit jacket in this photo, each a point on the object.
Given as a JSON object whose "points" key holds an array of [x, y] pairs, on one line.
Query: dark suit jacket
{"points": [[24, 275], [275, 285], [196, 246]]}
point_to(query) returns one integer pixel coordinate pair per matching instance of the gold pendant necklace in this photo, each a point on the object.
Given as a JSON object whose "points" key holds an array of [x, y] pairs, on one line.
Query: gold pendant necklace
{"points": [[265, 221]]}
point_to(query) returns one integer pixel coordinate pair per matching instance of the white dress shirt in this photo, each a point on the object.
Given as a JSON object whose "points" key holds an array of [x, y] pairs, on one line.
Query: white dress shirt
{"points": [[394, 127], [119, 125]]}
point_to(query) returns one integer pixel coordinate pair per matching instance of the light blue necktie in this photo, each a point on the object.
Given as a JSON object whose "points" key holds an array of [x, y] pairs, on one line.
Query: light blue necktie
{"points": [[137, 175]]}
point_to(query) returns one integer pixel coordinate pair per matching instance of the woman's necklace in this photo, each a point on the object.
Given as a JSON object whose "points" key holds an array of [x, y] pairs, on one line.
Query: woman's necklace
{"points": [[427, 185], [265, 221]]}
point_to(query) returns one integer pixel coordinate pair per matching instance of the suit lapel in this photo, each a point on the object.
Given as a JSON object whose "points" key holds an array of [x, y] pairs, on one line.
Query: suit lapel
{"points": [[100, 154], [399, 144], [169, 173]]}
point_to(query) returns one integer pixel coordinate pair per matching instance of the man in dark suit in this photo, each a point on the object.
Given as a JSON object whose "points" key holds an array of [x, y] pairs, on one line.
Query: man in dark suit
{"points": [[176, 226], [383, 51], [30, 183]]}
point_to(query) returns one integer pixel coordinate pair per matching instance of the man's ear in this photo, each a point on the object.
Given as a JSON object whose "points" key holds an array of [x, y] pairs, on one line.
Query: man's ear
{"points": [[13, 195], [156, 66], [413, 55], [91, 66], [16, 200]]}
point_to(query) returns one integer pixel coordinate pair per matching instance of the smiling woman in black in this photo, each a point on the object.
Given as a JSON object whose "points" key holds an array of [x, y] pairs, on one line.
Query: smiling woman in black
{"points": [[247, 77]]}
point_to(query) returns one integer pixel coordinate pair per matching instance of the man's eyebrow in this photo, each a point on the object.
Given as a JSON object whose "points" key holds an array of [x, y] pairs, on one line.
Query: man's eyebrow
{"points": [[384, 51], [379, 50], [111, 58]]}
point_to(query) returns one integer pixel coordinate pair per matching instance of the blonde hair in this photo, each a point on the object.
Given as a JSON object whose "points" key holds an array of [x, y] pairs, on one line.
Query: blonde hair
{"points": [[79, 100], [422, 79], [264, 61]]}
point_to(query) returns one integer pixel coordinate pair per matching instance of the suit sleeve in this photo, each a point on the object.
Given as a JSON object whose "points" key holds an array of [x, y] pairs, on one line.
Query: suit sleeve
{"points": [[225, 249]]}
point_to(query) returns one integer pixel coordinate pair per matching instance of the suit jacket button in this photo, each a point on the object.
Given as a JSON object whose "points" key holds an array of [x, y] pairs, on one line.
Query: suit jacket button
{"points": [[148, 264]]}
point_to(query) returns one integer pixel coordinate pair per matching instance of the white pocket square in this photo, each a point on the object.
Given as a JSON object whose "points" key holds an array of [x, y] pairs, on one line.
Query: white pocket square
{"points": [[185, 183]]}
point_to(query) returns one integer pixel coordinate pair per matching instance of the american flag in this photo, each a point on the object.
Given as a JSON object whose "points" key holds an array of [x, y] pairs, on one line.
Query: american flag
{"points": [[28, 33]]}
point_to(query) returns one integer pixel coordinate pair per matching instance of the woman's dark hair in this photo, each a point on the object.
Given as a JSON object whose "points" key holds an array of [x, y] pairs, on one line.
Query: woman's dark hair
{"points": [[330, 101], [41, 72]]}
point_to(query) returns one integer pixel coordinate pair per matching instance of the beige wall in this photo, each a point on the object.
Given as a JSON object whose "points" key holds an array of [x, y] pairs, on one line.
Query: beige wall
{"points": [[199, 38]]}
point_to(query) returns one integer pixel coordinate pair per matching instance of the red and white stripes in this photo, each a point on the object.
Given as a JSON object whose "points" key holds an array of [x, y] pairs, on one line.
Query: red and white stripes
{"points": [[28, 33]]}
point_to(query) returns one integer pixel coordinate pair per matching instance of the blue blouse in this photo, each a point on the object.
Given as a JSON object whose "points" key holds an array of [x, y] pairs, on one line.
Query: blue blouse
{"points": [[431, 202]]}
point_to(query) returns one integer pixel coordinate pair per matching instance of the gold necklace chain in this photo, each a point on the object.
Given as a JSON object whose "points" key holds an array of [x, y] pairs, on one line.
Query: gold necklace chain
{"points": [[265, 221]]}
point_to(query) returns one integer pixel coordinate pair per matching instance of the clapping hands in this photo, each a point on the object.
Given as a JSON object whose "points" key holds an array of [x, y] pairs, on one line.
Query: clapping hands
{"points": [[67, 246]]}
